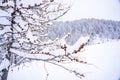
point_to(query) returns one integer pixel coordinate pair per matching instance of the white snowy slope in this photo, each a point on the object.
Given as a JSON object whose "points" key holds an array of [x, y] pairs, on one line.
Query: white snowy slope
{"points": [[100, 9], [103, 57]]}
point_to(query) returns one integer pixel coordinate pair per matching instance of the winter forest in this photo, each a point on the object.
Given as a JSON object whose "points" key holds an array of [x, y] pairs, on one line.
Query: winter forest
{"points": [[103, 29], [36, 45]]}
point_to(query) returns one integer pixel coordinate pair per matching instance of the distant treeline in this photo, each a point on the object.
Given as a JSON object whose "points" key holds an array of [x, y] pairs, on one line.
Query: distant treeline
{"points": [[107, 29]]}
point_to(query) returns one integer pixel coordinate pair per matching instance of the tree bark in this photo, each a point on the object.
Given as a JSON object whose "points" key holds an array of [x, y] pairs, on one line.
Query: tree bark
{"points": [[4, 74]]}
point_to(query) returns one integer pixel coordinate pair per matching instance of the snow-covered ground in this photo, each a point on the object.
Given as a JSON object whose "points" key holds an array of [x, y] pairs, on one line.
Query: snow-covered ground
{"points": [[103, 64], [103, 58]]}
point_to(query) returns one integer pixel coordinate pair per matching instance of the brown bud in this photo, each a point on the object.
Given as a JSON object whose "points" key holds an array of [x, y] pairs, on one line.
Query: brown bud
{"points": [[1, 27], [21, 4], [51, 0]]}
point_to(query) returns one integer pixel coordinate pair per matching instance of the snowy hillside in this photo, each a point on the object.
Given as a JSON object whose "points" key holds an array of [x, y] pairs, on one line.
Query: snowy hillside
{"points": [[34, 47], [103, 59], [104, 65], [103, 29]]}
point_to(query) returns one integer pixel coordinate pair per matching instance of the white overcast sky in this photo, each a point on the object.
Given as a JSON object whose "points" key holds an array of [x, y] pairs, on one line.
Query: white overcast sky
{"points": [[101, 9]]}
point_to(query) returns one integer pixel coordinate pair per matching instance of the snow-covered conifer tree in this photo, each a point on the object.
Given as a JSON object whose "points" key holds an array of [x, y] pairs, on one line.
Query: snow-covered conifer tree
{"points": [[21, 24]]}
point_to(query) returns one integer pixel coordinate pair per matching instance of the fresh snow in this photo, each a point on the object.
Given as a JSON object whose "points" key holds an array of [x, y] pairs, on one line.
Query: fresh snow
{"points": [[5, 63], [103, 59], [103, 64]]}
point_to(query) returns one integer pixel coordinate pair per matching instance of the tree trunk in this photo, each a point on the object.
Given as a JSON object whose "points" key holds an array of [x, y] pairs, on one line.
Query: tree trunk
{"points": [[4, 74], [4, 71]]}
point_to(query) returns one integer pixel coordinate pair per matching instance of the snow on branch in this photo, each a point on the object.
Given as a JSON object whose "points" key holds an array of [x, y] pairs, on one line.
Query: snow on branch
{"points": [[21, 39]]}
